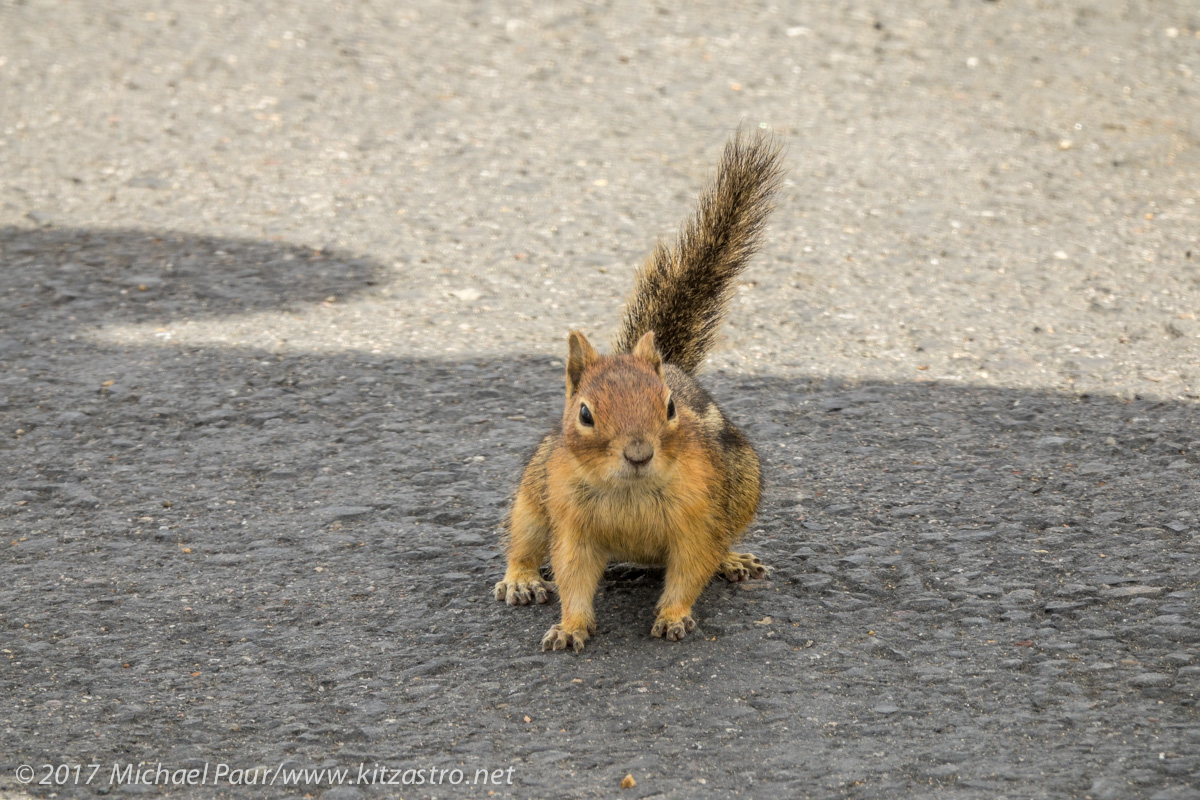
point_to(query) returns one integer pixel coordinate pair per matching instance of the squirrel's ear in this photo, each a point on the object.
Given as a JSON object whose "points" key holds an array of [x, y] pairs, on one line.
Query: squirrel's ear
{"points": [[580, 354], [645, 350]]}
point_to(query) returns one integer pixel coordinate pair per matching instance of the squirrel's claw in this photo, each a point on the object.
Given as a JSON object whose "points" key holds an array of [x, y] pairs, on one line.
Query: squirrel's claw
{"points": [[522, 593], [673, 630], [742, 567], [557, 638]]}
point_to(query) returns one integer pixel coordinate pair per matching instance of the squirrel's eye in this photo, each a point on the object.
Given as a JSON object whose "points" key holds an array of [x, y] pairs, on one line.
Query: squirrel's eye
{"points": [[671, 408], [585, 415]]}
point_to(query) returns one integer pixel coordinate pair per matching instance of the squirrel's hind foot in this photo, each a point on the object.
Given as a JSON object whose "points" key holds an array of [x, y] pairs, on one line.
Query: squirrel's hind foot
{"points": [[742, 567]]}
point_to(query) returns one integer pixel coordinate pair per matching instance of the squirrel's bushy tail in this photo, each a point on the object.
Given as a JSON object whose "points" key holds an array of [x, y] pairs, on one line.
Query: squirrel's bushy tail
{"points": [[681, 293]]}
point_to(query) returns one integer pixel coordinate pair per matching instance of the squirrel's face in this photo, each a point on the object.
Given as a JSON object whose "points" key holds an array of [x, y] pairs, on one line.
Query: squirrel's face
{"points": [[620, 420]]}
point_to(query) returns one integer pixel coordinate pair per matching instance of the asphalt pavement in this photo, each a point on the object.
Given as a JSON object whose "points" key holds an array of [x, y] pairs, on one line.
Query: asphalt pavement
{"points": [[284, 294]]}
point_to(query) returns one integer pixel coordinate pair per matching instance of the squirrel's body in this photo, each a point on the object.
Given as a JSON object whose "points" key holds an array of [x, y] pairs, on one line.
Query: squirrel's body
{"points": [[645, 467], [635, 520]]}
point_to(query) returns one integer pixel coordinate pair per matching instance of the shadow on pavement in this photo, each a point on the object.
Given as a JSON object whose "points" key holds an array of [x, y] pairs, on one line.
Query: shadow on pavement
{"points": [[255, 558]]}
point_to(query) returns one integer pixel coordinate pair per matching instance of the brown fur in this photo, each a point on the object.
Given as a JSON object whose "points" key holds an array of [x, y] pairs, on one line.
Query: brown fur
{"points": [[625, 479], [681, 293]]}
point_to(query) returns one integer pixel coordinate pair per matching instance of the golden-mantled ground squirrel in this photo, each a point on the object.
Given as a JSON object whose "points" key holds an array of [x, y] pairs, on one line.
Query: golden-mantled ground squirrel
{"points": [[645, 467]]}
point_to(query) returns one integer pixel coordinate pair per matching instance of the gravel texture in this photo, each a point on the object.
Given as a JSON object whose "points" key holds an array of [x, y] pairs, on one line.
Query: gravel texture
{"points": [[284, 290]]}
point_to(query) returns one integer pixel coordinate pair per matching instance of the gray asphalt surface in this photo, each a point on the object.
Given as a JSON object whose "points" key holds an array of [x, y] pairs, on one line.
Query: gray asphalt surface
{"points": [[284, 290]]}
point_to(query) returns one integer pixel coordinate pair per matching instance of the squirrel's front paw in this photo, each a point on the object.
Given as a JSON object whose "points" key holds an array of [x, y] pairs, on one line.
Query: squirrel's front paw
{"points": [[559, 638], [522, 592], [673, 629]]}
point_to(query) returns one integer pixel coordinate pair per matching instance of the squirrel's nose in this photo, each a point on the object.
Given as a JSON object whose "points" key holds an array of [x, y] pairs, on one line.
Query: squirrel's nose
{"points": [[639, 452]]}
